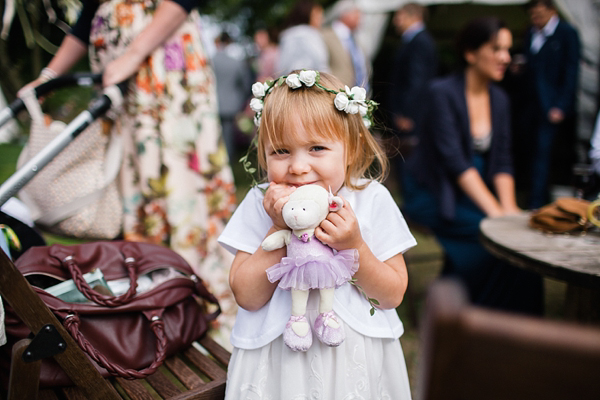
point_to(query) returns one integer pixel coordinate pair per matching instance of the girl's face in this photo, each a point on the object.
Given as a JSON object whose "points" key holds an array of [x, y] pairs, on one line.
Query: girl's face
{"points": [[305, 157], [492, 58]]}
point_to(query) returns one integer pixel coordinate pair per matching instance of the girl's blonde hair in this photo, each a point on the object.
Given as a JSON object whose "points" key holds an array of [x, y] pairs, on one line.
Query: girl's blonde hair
{"points": [[315, 108]]}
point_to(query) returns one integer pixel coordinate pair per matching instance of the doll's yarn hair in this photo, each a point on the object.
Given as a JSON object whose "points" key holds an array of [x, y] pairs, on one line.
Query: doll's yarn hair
{"points": [[286, 108]]}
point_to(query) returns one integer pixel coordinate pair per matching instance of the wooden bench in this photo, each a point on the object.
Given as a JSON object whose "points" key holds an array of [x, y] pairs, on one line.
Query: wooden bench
{"points": [[198, 372]]}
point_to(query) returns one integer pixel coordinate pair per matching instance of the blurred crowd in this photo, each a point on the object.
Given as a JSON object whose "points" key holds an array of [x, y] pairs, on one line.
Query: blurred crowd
{"points": [[478, 141], [540, 79]]}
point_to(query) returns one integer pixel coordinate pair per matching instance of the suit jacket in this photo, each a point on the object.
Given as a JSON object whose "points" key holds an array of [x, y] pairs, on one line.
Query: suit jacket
{"points": [[415, 64], [445, 149], [552, 72], [340, 61]]}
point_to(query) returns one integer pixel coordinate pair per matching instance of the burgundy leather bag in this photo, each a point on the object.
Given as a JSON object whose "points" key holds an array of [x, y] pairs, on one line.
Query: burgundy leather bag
{"points": [[129, 335]]}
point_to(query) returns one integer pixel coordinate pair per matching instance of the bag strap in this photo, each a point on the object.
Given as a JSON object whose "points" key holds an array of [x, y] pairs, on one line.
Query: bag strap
{"points": [[71, 323]]}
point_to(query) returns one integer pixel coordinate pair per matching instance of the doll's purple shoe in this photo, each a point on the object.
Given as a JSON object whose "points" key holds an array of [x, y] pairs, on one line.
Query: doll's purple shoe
{"points": [[292, 339], [328, 334]]}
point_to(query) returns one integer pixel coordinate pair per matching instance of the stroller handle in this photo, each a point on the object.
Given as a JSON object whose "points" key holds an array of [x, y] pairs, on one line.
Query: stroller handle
{"points": [[112, 96], [83, 79]]}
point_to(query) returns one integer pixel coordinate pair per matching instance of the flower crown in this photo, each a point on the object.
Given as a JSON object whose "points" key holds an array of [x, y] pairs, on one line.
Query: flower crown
{"points": [[352, 101]]}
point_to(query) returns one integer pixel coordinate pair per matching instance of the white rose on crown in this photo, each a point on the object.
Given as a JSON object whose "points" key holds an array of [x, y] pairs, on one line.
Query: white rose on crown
{"points": [[308, 77], [256, 105], [293, 81], [341, 101], [259, 89], [357, 93]]}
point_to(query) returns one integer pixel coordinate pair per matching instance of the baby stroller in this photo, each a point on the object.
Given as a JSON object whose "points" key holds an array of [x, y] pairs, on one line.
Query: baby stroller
{"points": [[111, 97], [171, 290]]}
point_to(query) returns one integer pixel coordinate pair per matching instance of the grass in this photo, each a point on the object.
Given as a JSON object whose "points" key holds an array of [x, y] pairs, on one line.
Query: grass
{"points": [[424, 264]]}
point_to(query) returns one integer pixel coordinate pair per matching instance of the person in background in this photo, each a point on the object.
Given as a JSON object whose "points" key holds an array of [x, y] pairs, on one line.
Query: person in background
{"points": [[266, 41], [301, 45], [461, 170], [233, 80], [549, 83], [346, 59], [176, 182], [414, 66]]}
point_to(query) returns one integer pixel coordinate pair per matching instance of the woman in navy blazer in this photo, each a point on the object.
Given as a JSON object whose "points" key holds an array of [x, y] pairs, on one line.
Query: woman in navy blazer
{"points": [[461, 170]]}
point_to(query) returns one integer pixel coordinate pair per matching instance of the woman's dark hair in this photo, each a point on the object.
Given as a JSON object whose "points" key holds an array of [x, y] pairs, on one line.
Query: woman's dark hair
{"points": [[546, 3], [300, 13], [475, 34]]}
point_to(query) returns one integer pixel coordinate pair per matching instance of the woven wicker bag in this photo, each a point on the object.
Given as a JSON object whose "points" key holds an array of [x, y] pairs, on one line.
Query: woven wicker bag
{"points": [[76, 194]]}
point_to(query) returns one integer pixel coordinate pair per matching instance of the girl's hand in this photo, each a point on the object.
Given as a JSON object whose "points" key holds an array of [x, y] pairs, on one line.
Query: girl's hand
{"points": [[340, 230], [275, 198]]}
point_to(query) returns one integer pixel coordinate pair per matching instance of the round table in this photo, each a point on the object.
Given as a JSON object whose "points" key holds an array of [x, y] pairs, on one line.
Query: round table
{"points": [[574, 259]]}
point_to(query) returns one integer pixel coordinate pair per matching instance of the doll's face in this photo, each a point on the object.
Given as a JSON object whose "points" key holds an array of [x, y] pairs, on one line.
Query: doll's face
{"points": [[306, 207], [303, 214]]}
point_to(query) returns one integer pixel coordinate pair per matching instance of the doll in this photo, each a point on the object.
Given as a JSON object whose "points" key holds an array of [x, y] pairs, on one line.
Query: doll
{"points": [[310, 264]]}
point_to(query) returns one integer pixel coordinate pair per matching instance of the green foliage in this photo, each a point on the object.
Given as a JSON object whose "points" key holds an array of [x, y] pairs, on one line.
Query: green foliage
{"points": [[253, 14]]}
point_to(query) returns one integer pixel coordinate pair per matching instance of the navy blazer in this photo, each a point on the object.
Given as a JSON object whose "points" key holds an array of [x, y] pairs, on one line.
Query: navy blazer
{"points": [[415, 64], [553, 71], [445, 149]]}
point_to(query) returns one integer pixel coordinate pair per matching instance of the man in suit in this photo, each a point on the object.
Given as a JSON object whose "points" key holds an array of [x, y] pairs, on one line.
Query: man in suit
{"points": [[552, 52], [346, 59], [415, 64]]}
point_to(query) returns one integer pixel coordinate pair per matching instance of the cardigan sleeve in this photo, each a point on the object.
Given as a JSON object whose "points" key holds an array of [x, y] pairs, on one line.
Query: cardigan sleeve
{"points": [[501, 123], [448, 118]]}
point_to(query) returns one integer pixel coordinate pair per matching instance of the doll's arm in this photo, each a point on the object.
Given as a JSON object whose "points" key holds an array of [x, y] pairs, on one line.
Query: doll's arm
{"points": [[277, 240]]}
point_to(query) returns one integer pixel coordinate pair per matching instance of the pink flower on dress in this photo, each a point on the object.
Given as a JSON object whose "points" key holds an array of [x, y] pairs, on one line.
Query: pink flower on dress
{"points": [[173, 57], [194, 162]]}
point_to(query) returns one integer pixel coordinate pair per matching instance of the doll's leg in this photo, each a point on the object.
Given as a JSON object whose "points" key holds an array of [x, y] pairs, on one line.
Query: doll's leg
{"points": [[299, 300], [297, 334], [327, 325], [326, 305]]}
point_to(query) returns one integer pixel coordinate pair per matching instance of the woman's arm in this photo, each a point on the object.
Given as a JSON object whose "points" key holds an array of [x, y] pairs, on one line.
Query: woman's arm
{"points": [[505, 188], [473, 185], [70, 51], [167, 18]]}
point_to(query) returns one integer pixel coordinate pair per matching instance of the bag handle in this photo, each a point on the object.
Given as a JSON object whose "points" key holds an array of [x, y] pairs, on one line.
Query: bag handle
{"points": [[91, 294], [65, 256], [71, 323]]}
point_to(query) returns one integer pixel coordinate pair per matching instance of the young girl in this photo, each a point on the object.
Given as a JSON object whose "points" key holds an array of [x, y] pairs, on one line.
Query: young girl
{"points": [[309, 132]]}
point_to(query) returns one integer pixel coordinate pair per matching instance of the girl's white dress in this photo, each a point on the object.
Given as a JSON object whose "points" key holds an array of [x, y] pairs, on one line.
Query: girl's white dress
{"points": [[369, 364]]}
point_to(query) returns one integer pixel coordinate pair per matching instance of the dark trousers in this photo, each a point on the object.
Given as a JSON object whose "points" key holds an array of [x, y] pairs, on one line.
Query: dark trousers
{"points": [[540, 164]]}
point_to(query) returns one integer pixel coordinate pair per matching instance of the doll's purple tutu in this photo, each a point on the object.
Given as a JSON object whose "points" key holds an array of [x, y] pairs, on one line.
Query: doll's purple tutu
{"points": [[312, 265]]}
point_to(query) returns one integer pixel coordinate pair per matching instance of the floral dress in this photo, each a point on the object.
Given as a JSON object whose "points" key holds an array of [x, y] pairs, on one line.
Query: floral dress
{"points": [[176, 181]]}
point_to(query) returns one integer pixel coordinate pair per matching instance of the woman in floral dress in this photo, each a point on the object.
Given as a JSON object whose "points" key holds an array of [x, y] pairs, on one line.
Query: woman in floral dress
{"points": [[176, 181]]}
